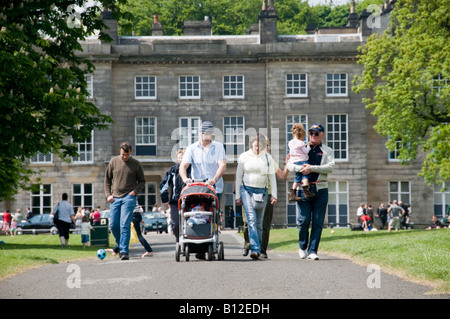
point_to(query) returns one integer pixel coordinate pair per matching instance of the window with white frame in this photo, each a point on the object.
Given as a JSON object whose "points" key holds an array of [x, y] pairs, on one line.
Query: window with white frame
{"points": [[290, 121], [189, 129], [147, 197], [336, 84], [442, 199], [337, 135], [291, 207], [145, 87], [189, 87], [85, 151], [82, 196], [233, 86], [297, 85], [400, 191], [234, 133], [393, 155], [438, 84], [40, 158], [145, 135], [90, 86], [41, 199], [338, 203]]}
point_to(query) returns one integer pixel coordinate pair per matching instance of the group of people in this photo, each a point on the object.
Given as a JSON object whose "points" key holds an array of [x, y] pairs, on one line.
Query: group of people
{"points": [[255, 186], [10, 221], [396, 215]]}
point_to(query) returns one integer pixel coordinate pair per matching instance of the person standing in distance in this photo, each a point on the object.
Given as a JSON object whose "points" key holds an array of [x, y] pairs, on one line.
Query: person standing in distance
{"points": [[124, 179], [312, 210]]}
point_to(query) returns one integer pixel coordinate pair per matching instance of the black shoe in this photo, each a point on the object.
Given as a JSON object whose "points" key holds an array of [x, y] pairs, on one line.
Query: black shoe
{"points": [[244, 252], [124, 256]]}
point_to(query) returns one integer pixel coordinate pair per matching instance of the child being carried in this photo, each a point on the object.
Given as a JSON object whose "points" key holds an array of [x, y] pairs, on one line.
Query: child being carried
{"points": [[298, 151]]}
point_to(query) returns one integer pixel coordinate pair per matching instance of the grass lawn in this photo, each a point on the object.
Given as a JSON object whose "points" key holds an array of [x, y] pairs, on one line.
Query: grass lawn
{"points": [[22, 252], [419, 255]]}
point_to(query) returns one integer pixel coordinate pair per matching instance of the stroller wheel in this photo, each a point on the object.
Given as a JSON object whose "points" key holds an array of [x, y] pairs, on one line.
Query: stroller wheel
{"points": [[186, 252], [210, 252], [220, 252], [177, 252]]}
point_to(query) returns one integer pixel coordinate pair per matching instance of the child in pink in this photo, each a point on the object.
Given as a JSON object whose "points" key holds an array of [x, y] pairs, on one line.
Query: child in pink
{"points": [[298, 152]]}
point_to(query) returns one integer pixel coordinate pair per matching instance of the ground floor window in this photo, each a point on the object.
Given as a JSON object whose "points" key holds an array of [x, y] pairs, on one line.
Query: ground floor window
{"points": [[338, 203], [41, 199], [442, 200], [147, 197], [82, 196]]}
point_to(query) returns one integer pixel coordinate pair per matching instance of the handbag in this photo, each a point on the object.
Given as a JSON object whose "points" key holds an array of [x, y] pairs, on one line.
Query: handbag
{"points": [[56, 215], [258, 200]]}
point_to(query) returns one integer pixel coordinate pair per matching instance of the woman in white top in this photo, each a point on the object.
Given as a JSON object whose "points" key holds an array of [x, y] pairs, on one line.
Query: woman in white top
{"points": [[255, 168]]}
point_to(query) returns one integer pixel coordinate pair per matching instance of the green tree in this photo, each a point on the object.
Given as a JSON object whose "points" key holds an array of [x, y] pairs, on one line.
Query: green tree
{"points": [[43, 83], [406, 73]]}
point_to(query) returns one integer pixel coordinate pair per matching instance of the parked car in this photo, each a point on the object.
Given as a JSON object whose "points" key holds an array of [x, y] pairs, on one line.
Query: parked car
{"points": [[37, 223], [154, 221]]}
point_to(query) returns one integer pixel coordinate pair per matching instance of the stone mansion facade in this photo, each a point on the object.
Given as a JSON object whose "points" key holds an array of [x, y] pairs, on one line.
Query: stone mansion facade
{"points": [[159, 88]]}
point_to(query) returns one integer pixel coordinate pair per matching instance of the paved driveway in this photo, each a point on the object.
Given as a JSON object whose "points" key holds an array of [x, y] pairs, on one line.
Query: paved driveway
{"points": [[283, 276]]}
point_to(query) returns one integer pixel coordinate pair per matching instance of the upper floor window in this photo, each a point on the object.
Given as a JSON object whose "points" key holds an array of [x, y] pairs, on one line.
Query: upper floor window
{"points": [[233, 86], [145, 87], [40, 158], [85, 151], [90, 86], [297, 85], [189, 131], [438, 84], [189, 87], [336, 84]]}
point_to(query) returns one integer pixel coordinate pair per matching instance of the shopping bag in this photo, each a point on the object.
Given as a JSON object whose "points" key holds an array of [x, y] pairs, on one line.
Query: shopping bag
{"points": [[133, 237]]}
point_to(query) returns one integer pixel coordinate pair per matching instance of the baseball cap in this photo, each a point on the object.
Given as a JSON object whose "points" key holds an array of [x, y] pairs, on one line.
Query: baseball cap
{"points": [[207, 128], [317, 127]]}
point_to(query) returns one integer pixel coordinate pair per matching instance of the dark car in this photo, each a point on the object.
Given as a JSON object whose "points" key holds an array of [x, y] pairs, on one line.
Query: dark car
{"points": [[37, 223], [154, 221]]}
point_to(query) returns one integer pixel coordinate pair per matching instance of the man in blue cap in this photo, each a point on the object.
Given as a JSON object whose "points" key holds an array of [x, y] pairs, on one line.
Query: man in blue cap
{"points": [[313, 209], [207, 159]]}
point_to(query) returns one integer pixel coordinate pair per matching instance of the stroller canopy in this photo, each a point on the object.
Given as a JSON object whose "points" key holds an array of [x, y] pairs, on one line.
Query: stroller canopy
{"points": [[198, 192]]}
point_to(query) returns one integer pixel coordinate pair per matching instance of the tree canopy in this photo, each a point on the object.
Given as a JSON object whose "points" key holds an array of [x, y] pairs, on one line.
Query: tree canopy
{"points": [[43, 90], [406, 77], [234, 17]]}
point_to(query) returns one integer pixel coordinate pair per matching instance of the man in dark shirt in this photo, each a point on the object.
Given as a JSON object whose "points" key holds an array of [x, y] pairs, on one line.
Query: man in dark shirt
{"points": [[124, 179]]}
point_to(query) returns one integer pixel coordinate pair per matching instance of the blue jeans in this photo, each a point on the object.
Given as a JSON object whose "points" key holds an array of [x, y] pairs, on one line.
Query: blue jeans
{"points": [[254, 216], [120, 219], [313, 210]]}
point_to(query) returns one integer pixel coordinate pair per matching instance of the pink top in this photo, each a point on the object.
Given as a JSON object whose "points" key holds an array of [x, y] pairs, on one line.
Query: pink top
{"points": [[298, 150]]}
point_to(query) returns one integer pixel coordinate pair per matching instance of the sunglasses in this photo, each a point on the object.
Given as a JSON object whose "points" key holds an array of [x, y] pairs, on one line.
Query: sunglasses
{"points": [[314, 133]]}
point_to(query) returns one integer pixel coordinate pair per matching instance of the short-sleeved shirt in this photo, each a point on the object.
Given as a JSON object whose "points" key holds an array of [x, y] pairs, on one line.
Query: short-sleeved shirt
{"points": [[204, 164], [65, 211]]}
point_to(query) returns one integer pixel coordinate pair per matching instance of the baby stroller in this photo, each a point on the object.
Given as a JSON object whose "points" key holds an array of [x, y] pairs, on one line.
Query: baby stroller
{"points": [[198, 220]]}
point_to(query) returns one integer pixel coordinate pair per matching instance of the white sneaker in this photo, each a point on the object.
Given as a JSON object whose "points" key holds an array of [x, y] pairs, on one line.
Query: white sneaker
{"points": [[302, 253], [313, 256]]}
